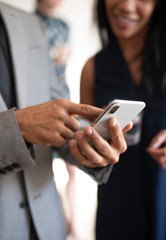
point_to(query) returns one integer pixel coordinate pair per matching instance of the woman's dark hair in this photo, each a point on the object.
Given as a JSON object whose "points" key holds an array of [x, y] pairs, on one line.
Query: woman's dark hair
{"points": [[154, 52]]}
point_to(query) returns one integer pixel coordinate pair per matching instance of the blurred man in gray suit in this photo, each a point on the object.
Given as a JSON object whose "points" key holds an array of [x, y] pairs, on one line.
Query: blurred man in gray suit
{"points": [[33, 120]]}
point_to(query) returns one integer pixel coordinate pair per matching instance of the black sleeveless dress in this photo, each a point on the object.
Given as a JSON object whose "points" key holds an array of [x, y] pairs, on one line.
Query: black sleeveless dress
{"points": [[132, 205]]}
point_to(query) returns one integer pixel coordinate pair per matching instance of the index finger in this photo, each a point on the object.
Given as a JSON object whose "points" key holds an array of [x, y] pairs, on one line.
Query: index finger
{"points": [[84, 110]]}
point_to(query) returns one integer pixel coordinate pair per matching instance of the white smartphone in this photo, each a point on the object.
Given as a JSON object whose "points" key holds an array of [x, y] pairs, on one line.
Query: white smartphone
{"points": [[123, 110]]}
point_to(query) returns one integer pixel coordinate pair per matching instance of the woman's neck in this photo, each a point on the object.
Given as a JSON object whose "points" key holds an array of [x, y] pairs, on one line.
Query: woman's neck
{"points": [[132, 50], [132, 47]]}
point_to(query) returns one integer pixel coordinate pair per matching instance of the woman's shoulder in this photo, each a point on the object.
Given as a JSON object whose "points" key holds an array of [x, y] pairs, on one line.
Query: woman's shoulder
{"points": [[88, 66]]}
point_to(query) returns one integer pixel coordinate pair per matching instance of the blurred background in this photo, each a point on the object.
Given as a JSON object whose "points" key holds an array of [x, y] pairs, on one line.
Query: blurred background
{"points": [[84, 42]]}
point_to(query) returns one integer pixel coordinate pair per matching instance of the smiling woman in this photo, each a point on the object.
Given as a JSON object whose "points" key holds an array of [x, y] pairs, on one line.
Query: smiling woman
{"points": [[129, 18], [132, 65]]}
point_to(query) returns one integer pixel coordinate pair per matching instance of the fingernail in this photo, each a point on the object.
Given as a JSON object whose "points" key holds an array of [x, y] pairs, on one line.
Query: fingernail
{"points": [[72, 143], [78, 135], [154, 145], [89, 131]]}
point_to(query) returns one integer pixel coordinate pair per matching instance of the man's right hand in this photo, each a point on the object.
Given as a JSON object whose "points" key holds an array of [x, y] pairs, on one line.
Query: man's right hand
{"points": [[53, 122]]}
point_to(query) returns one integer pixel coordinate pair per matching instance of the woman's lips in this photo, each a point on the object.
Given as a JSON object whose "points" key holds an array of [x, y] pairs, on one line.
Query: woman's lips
{"points": [[124, 22]]}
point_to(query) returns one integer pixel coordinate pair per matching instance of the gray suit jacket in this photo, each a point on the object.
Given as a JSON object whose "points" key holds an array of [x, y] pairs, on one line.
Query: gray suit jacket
{"points": [[35, 82]]}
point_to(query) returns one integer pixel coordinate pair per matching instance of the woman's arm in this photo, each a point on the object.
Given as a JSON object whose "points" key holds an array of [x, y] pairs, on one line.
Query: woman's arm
{"points": [[87, 83]]}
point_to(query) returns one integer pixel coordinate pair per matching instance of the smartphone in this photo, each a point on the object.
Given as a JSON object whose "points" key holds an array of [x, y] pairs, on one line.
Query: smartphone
{"points": [[123, 110]]}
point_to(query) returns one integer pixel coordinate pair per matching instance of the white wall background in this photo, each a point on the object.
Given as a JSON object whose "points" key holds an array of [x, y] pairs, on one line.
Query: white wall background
{"points": [[27, 5], [84, 39], [84, 43]]}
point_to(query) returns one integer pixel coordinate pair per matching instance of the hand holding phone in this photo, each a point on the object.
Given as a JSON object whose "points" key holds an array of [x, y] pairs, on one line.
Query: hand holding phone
{"points": [[123, 110]]}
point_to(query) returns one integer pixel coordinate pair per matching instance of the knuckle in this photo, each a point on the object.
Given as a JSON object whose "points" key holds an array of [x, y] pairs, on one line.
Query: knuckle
{"points": [[100, 161], [95, 159], [117, 159], [69, 135], [123, 147], [105, 163], [63, 102], [114, 158], [122, 143], [60, 115], [58, 106], [63, 116], [103, 148], [86, 110], [95, 137], [60, 102], [74, 123], [86, 163], [118, 138]]}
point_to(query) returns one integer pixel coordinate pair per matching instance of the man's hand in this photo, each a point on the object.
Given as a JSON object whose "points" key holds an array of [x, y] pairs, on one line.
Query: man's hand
{"points": [[53, 122], [104, 153]]}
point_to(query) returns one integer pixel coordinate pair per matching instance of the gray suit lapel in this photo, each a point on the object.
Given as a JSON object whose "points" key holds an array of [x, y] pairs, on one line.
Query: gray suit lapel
{"points": [[3, 106], [18, 51]]}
